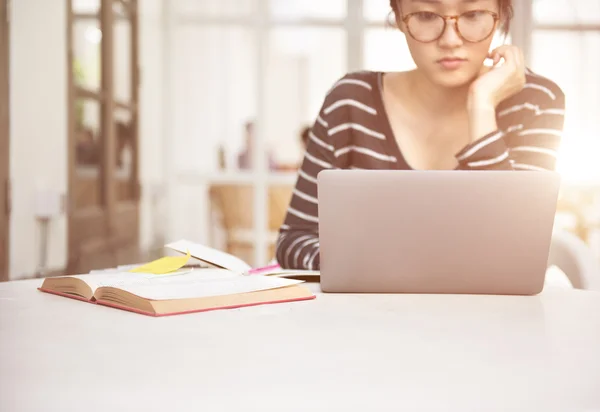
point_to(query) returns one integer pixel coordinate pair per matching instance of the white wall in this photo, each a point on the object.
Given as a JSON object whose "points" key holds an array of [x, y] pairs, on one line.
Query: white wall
{"points": [[39, 130], [211, 94], [152, 113], [302, 65], [38, 127]]}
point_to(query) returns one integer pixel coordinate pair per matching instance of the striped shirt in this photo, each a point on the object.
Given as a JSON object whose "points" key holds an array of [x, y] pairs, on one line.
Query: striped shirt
{"points": [[352, 132]]}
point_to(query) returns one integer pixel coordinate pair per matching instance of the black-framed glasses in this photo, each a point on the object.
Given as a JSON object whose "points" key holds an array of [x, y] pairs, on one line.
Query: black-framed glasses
{"points": [[472, 26]]}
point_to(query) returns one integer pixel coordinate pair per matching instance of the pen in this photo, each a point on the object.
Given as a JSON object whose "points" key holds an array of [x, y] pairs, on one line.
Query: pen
{"points": [[263, 269]]}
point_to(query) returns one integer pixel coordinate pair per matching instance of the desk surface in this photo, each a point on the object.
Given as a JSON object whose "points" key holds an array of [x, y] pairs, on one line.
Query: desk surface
{"points": [[338, 352]]}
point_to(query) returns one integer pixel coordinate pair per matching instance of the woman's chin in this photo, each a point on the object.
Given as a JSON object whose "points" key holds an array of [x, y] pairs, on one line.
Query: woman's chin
{"points": [[452, 80]]}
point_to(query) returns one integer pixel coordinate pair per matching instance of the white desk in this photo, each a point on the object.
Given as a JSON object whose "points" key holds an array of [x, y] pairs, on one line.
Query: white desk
{"points": [[338, 352]]}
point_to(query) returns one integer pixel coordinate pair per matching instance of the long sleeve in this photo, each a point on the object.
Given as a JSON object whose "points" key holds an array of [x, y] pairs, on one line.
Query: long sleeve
{"points": [[298, 242], [352, 132], [531, 134]]}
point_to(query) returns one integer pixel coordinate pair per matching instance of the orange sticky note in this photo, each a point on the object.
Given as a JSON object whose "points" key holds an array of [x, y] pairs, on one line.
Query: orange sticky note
{"points": [[163, 265]]}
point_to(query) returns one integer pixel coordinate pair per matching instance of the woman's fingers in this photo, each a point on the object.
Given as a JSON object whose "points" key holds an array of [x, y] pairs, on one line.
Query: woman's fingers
{"points": [[512, 56], [498, 54], [494, 57]]}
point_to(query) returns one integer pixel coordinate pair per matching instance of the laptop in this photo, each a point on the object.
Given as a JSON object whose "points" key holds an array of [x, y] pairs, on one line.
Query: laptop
{"points": [[459, 232]]}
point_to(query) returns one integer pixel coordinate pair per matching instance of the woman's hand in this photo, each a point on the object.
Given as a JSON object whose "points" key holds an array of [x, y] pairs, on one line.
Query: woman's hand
{"points": [[494, 85], [498, 83]]}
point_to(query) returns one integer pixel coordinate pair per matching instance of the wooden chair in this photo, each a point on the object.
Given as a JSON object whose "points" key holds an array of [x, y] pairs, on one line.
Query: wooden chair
{"points": [[575, 259], [279, 200], [234, 204]]}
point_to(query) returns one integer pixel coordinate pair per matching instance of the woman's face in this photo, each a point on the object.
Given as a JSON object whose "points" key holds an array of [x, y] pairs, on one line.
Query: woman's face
{"points": [[448, 60]]}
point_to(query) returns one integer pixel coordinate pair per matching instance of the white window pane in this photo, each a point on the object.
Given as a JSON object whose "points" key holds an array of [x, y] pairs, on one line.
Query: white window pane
{"points": [[386, 50], [315, 9], [214, 8], [213, 92], [566, 11], [576, 72], [86, 54], [376, 10], [122, 60], [303, 63], [86, 6]]}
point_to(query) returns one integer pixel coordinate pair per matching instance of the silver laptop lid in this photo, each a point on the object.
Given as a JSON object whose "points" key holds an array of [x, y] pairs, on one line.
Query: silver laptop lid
{"points": [[480, 232]]}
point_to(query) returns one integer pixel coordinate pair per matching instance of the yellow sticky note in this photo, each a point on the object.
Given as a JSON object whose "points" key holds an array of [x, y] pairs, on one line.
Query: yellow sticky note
{"points": [[163, 265]]}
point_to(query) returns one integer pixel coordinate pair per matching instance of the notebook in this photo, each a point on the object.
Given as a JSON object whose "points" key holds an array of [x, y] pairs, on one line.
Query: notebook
{"points": [[179, 292], [224, 260]]}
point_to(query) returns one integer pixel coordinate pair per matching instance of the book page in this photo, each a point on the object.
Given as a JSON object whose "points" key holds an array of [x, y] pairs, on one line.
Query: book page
{"points": [[118, 269], [115, 277], [199, 285], [210, 255]]}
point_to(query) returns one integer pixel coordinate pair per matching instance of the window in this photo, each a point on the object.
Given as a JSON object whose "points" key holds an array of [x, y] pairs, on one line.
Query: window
{"points": [[214, 96], [215, 8], [308, 9], [376, 10], [566, 12], [303, 63], [386, 50], [86, 6], [573, 27], [103, 133]]}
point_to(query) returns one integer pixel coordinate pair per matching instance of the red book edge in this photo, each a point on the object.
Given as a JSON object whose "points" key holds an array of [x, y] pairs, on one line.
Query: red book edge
{"points": [[155, 315], [158, 315]]}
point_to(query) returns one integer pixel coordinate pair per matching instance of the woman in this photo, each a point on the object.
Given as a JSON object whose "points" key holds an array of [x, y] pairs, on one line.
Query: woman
{"points": [[451, 112]]}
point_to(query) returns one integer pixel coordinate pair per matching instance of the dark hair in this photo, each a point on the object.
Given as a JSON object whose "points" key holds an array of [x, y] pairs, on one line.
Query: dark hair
{"points": [[506, 13]]}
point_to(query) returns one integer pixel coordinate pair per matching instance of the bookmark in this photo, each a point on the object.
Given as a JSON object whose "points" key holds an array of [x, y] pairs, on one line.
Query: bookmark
{"points": [[163, 265], [264, 269]]}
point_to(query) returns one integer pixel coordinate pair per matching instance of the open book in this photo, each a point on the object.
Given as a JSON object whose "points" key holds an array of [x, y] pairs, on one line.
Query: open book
{"points": [[183, 291], [220, 259]]}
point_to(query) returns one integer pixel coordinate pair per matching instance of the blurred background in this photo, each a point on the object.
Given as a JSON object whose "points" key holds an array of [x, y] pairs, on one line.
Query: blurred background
{"points": [[127, 124]]}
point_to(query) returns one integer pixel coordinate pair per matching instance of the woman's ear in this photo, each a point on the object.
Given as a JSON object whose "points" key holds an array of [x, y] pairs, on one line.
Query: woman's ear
{"points": [[394, 22]]}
